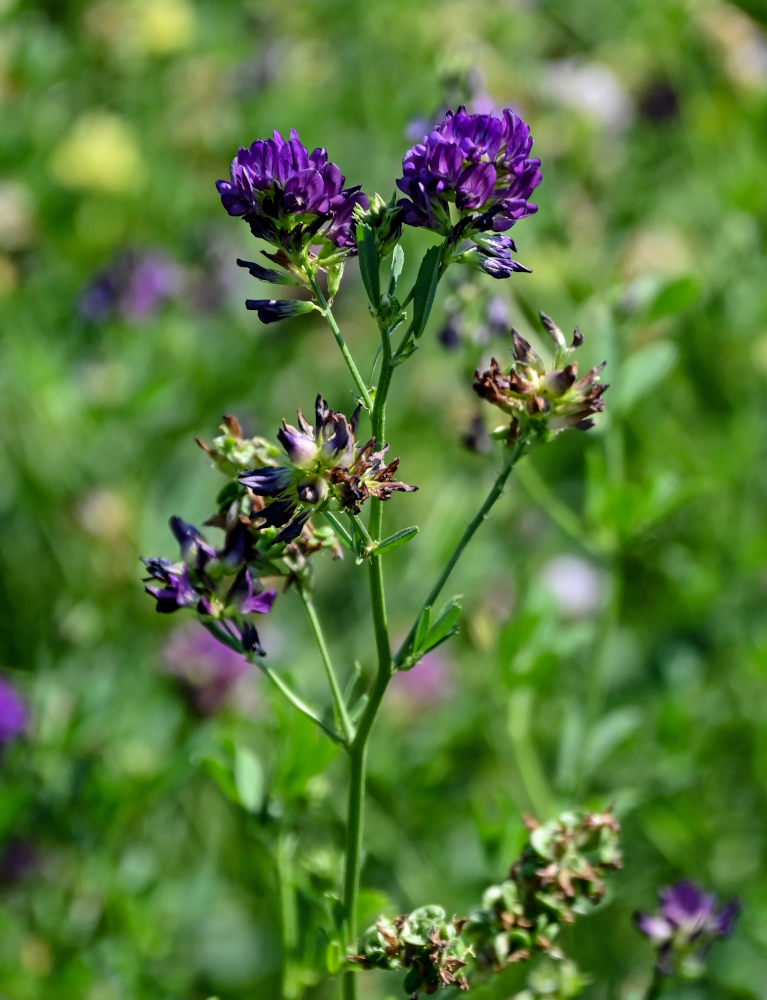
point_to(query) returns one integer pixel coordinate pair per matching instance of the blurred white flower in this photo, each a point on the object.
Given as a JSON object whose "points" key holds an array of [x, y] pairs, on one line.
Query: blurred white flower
{"points": [[589, 88], [576, 585]]}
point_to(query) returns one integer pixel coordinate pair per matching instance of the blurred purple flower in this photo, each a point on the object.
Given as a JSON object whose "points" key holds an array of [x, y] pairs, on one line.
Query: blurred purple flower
{"points": [[13, 713], [689, 922], [16, 859], [207, 670], [427, 683], [133, 286], [289, 196], [480, 164]]}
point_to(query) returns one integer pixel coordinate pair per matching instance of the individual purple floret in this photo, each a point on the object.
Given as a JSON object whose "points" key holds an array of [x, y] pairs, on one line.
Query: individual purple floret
{"points": [[476, 166], [689, 922], [218, 583], [13, 714], [291, 197]]}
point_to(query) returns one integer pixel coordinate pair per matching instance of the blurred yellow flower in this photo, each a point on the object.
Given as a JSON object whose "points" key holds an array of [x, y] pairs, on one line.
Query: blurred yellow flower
{"points": [[140, 28], [164, 25], [100, 152]]}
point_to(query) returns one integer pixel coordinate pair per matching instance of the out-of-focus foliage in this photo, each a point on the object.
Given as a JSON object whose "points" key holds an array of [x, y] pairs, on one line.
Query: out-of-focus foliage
{"points": [[613, 645]]}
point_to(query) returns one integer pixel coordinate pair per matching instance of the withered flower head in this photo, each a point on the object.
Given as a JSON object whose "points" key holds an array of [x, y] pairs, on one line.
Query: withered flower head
{"points": [[327, 467], [543, 400]]}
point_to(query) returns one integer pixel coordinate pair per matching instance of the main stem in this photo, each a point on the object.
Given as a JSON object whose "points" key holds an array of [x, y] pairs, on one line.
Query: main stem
{"points": [[494, 494], [359, 746]]}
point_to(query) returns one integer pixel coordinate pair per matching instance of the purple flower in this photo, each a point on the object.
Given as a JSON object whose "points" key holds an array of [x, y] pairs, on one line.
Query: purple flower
{"points": [[13, 714], [291, 197], [273, 310], [207, 670], [477, 165], [689, 922], [135, 285], [222, 585]]}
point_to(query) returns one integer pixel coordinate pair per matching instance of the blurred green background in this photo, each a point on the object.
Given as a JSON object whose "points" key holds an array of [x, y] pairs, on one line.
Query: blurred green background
{"points": [[614, 645]]}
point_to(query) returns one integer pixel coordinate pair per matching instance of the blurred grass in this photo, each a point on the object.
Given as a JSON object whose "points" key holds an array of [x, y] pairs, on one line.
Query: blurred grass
{"points": [[116, 119]]}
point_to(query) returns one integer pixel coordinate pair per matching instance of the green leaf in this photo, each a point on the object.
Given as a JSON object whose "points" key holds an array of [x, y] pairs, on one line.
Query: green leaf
{"points": [[425, 289], [394, 541], [445, 625], [674, 298], [368, 256], [643, 371], [223, 777], [422, 628], [397, 263], [334, 957], [249, 779], [429, 634]]}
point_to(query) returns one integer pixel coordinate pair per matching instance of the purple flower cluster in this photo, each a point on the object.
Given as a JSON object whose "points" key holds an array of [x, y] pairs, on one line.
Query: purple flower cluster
{"points": [[219, 584], [290, 196], [476, 165], [688, 924]]}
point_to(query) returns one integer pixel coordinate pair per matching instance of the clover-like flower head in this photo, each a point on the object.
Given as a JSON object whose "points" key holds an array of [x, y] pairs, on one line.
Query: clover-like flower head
{"points": [[543, 400], [475, 167], [326, 466], [291, 197], [218, 583]]}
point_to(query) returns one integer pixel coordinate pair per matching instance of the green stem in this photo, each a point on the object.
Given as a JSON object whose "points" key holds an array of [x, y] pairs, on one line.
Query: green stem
{"points": [[328, 314], [342, 715], [358, 749], [494, 494], [655, 988], [288, 915], [296, 702]]}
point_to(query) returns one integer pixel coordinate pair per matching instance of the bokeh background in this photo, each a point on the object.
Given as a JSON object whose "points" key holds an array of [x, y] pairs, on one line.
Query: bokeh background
{"points": [[614, 644]]}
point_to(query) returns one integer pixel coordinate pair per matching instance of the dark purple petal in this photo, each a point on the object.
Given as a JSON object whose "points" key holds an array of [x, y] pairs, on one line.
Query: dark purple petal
{"points": [[267, 482], [684, 902], [273, 310]]}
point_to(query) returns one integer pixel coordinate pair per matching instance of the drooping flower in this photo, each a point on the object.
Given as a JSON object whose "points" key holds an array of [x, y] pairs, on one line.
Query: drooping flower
{"points": [[326, 465], [472, 169], [218, 583], [13, 714], [689, 922], [290, 197], [541, 399]]}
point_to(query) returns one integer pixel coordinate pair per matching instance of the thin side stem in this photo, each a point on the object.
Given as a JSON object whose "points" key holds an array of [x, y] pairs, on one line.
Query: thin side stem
{"points": [[296, 702], [342, 715], [494, 494], [328, 314], [655, 988]]}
